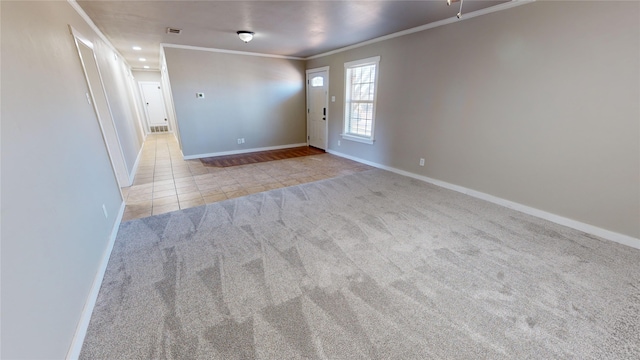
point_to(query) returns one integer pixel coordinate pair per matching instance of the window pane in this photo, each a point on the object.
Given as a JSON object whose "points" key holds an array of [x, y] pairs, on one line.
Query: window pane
{"points": [[317, 81], [359, 101], [361, 117], [365, 93]]}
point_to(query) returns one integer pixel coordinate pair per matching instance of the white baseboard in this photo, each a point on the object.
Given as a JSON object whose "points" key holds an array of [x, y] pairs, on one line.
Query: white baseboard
{"points": [[243, 151], [132, 176], [175, 136], [587, 228], [85, 317]]}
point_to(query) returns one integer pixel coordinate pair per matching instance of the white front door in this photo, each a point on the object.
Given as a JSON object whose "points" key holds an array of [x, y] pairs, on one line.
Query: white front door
{"points": [[317, 107], [154, 104]]}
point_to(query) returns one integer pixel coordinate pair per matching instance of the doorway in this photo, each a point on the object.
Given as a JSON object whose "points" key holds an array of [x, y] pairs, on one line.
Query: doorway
{"points": [[98, 98], [318, 107], [154, 109]]}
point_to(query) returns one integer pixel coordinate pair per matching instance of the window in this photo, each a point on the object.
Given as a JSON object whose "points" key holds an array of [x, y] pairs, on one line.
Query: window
{"points": [[317, 81], [361, 80]]}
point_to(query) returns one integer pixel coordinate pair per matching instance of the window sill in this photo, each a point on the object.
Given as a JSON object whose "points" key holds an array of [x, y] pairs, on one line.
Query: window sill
{"points": [[357, 139]]}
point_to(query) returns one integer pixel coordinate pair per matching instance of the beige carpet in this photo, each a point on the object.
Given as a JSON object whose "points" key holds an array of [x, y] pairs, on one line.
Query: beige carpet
{"points": [[366, 266]]}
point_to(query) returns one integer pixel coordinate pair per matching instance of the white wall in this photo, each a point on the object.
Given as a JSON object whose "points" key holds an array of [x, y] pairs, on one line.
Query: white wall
{"points": [[140, 75], [537, 104], [55, 177]]}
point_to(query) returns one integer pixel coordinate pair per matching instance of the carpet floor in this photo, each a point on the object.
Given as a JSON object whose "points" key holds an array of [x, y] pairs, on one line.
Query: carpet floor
{"points": [[260, 156], [372, 265]]}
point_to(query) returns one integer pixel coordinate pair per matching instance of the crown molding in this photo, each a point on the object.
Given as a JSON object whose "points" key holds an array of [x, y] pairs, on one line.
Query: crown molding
{"points": [[492, 9], [198, 48], [93, 27]]}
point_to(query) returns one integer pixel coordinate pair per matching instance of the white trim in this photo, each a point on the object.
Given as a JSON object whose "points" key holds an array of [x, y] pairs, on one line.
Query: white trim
{"points": [[500, 7], [135, 165], [309, 71], [87, 311], [243, 151], [368, 61], [574, 224], [93, 27], [503, 6], [145, 107], [116, 156], [346, 116], [235, 52], [364, 140], [326, 102], [136, 103]]}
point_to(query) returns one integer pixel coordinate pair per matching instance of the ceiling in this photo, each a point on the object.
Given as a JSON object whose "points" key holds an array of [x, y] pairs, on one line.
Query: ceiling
{"points": [[290, 28]]}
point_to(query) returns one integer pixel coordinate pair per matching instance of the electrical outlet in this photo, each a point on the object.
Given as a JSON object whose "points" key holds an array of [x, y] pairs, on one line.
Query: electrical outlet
{"points": [[239, 141], [242, 140], [338, 142], [200, 95], [104, 209], [421, 161]]}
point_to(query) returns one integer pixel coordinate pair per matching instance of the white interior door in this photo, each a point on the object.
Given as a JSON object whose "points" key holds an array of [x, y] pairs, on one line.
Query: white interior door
{"points": [[98, 98], [154, 103], [317, 107]]}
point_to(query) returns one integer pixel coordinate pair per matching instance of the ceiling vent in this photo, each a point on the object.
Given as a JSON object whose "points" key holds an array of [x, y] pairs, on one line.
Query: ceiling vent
{"points": [[174, 31]]}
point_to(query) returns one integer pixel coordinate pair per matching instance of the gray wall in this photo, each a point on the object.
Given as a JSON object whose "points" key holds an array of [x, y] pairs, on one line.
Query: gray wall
{"points": [[257, 98], [55, 177], [537, 104], [168, 98], [117, 82]]}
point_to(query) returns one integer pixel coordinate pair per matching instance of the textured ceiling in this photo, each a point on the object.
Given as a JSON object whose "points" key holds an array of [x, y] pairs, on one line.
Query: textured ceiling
{"points": [[289, 28]]}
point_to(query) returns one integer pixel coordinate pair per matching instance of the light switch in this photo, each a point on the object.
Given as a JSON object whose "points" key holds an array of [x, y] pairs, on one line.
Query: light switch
{"points": [[333, 99]]}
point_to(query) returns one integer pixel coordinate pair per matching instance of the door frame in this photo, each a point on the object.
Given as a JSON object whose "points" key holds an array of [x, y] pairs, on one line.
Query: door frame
{"points": [[136, 105], [147, 128], [116, 156], [326, 101]]}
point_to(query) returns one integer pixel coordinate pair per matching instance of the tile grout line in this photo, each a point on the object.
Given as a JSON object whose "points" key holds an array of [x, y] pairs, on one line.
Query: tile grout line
{"points": [[153, 182], [173, 176], [287, 172], [154, 176]]}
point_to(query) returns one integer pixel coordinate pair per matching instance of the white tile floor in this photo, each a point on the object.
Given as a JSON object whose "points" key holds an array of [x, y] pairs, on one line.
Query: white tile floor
{"points": [[165, 182]]}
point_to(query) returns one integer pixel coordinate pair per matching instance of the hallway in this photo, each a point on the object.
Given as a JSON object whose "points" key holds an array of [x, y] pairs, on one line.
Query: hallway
{"points": [[165, 182]]}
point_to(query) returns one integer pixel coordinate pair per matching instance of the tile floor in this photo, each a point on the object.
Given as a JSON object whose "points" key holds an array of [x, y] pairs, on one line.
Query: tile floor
{"points": [[165, 182]]}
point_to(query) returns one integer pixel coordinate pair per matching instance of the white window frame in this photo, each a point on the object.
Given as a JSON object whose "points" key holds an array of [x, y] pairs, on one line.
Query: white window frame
{"points": [[347, 99]]}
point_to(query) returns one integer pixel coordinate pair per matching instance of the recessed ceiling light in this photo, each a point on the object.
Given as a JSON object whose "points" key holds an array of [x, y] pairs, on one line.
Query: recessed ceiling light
{"points": [[146, 66], [137, 48], [142, 59]]}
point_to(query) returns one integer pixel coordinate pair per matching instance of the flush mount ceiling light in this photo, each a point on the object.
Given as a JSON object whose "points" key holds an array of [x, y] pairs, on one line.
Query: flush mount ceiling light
{"points": [[137, 48], [245, 36]]}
